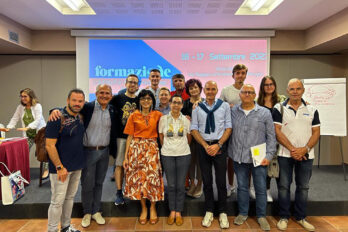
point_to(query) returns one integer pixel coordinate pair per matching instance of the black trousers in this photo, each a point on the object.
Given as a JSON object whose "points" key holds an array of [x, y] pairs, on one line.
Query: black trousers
{"points": [[206, 162]]}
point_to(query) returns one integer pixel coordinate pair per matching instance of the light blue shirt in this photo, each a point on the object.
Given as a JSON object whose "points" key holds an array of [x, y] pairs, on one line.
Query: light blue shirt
{"points": [[250, 130], [156, 94], [222, 120], [98, 130]]}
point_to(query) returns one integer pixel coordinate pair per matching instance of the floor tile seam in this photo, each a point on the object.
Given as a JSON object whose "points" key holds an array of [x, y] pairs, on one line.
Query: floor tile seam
{"points": [[334, 226], [23, 226]]}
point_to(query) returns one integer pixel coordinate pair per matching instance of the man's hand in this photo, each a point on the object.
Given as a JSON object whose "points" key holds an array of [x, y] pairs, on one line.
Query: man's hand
{"points": [[298, 153], [62, 174], [188, 117], [55, 115], [231, 105], [212, 150], [265, 162], [22, 129]]}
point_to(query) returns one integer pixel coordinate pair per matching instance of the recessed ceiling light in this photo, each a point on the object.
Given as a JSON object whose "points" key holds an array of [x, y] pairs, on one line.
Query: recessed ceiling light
{"points": [[72, 7], [258, 7]]}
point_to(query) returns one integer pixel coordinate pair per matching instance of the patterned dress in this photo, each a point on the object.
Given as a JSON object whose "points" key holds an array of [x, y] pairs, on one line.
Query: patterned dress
{"points": [[144, 174]]}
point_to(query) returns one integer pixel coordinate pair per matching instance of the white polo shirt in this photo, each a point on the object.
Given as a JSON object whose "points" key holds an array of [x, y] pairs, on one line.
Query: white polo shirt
{"points": [[174, 145], [296, 125]]}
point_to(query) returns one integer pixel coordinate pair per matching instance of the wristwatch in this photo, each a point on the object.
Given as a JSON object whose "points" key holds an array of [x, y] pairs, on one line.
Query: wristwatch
{"points": [[308, 149], [59, 167], [220, 145]]}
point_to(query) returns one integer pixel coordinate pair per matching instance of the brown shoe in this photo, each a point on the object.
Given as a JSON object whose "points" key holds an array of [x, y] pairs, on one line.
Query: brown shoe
{"points": [[170, 220], [154, 221], [179, 221]]}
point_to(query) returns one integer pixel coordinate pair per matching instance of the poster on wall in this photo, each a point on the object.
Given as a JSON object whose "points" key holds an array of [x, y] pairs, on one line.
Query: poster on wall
{"points": [[328, 95]]}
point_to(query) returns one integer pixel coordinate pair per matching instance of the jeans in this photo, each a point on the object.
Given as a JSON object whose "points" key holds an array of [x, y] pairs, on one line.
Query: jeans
{"points": [[92, 179], [303, 173], [219, 161], [62, 200], [175, 168], [259, 174]]}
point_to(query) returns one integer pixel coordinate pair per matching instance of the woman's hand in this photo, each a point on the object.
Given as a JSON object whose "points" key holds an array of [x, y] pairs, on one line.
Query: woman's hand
{"points": [[125, 164], [5, 129], [22, 129]]}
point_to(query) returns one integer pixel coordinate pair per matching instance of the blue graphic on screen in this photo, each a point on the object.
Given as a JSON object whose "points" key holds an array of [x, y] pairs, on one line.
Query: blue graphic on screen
{"points": [[119, 58]]}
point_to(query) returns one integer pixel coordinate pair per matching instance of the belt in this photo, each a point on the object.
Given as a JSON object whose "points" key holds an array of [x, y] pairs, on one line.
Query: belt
{"points": [[211, 142], [97, 148]]}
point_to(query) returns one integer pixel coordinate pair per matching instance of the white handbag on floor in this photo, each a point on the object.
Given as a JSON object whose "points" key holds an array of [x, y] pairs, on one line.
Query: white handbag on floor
{"points": [[12, 186]]}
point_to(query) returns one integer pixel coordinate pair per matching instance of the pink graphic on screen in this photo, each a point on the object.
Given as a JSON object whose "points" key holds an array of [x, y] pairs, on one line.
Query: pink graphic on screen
{"points": [[214, 59], [200, 59]]}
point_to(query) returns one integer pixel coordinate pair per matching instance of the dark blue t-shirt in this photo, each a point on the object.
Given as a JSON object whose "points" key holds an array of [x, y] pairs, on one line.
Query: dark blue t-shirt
{"points": [[69, 142]]}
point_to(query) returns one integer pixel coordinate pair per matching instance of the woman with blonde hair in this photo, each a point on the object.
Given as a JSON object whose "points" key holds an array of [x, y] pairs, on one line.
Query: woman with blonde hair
{"points": [[29, 112]]}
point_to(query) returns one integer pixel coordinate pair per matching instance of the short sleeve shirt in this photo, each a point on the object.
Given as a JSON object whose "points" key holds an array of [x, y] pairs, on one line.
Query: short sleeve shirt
{"points": [[230, 95], [69, 142], [142, 126], [296, 125], [124, 107], [175, 135]]}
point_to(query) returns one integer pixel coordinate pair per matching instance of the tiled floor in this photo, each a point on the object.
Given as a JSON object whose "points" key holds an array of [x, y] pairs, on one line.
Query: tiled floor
{"points": [[322, 224]]}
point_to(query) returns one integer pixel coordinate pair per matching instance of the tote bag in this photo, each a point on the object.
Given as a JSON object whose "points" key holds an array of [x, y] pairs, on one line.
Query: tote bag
{"points": [[12, 186]]}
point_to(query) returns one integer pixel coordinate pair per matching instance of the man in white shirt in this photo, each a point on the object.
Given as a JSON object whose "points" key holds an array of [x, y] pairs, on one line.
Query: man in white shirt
{"points": [[297, 128], [230, 94]]}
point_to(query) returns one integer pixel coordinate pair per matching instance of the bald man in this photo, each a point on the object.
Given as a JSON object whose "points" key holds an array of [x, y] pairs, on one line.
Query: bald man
{"points": [[252, 125], [211, 127], [297, 128]]}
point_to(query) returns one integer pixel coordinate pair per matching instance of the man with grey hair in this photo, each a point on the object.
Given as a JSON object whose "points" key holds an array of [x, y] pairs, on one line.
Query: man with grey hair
{"points": [[297, 128], [99, 141], [252, 127]]}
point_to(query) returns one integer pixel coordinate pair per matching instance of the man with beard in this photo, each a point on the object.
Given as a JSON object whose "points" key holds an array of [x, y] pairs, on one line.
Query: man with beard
{"points": [[64, 144], [124, 105]]}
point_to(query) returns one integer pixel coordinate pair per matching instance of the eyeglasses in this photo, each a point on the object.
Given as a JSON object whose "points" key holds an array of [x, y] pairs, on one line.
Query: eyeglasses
{"points": [[247, 92], [176, 103], [146, 99], [132, 82], [269, 85], [155, 75]]}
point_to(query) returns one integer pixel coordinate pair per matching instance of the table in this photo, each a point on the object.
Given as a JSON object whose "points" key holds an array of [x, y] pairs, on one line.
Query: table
{"points": [[15, 154]]}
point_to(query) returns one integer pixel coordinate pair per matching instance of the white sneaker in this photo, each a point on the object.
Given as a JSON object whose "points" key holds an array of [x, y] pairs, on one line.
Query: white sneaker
{"points": [[269, 196], [306, 225], [98, 218], [86, 220], [207, 220], [282, 224], [230, 190], [252, 193], [224, 224]]}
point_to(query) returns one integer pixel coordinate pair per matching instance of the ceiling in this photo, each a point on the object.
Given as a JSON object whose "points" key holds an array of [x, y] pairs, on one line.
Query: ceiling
{"points": [[171, 14]]}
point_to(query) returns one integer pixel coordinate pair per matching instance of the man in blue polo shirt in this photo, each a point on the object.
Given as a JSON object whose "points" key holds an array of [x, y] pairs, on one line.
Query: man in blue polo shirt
{"points": [[211, 127], [64, 144], [297, 128]]}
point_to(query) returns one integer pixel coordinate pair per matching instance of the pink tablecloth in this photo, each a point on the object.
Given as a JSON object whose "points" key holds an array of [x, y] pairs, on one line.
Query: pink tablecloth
{"points": [[15, 154]]}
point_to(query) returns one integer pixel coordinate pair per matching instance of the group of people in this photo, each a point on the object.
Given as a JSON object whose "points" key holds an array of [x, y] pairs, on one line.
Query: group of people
{"points": [[152, 132]]}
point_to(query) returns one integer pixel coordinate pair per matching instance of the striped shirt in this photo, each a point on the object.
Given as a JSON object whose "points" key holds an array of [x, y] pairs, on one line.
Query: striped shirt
{"points": [[250, 130]]}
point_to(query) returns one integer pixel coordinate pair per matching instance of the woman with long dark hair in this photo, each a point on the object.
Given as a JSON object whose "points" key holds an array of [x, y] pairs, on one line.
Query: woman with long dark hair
{"points": [[268, 97], [143, 172]]}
